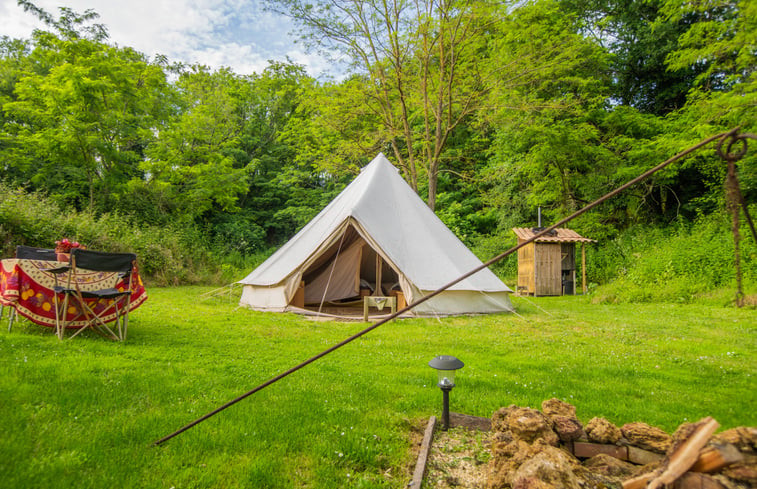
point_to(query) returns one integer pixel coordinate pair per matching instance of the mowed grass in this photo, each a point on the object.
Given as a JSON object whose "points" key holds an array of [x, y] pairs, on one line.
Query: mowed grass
{"points": [[84, 413]]}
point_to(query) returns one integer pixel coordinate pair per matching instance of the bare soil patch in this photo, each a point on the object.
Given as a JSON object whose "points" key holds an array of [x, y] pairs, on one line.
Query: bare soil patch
{"points": [[458, 459]]}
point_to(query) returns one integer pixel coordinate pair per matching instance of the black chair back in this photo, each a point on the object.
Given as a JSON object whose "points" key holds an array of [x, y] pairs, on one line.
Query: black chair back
{"points": [[101, 261], [31, 253]]}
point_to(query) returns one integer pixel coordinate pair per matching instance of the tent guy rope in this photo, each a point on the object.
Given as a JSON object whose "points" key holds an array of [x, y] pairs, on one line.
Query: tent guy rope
{"points": [[734, 136]]}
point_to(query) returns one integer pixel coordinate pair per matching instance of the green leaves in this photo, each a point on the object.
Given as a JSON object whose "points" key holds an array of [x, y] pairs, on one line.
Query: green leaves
{"points": [[192, 154], [721, 35], [80, 114], [415, 79]]}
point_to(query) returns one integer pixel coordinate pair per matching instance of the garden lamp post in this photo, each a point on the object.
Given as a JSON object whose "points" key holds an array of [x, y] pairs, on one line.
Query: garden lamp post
{"points": [[446, 365]]}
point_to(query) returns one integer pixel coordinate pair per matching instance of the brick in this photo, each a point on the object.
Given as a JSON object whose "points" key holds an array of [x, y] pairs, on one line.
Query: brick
{"points": [[587, 450], [642, 457]]}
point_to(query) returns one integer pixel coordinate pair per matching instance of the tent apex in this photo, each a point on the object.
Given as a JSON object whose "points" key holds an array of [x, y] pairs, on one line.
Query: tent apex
{"points": [[381, 159]]}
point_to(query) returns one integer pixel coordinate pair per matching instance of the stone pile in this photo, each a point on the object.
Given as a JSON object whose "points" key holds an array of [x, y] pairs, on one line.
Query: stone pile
{"points": [[552, 449]]}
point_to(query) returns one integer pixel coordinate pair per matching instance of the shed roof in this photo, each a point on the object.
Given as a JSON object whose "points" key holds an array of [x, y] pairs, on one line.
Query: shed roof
{"points": [[563, 235]]}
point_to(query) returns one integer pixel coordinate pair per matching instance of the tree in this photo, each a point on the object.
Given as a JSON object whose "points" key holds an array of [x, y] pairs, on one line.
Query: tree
{"points": [[546, 148], [14, 63], [286, 188], [583, 135], [192, 160], [720, 45], [415, 72], [639, 45], [81, 111]]}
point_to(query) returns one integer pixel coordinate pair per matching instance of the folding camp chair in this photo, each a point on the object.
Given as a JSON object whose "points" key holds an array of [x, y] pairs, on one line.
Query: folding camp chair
{"points": [[112, 304], [28, 253]]}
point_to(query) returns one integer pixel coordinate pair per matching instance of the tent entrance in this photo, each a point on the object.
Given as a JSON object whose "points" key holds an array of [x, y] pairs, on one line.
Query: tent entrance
{"points": [[376, 274], [347, 270]]}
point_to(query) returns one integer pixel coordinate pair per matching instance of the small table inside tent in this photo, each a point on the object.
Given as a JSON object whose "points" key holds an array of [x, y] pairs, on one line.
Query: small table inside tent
{"points": [[378, 302]]}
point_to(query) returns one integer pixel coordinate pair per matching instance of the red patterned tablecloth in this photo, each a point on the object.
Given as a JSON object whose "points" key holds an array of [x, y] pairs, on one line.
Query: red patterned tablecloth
{"points": [[26, 286]]}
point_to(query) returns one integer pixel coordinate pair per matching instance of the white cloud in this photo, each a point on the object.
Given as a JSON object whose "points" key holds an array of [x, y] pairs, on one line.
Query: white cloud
{"points": [[233, 33]]}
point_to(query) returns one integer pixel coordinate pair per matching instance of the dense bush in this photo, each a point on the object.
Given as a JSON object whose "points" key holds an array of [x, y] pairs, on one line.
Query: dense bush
{"points": [[683, 262], [487, 247], [175, 254]]}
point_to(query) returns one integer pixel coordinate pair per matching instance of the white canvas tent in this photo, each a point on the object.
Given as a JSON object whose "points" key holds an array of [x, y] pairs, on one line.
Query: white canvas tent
{"points": [[378, 232]]}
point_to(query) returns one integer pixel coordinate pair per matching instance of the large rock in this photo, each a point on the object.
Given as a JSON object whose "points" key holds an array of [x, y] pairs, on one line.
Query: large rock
{"points": [[499, 418], [556, 407], [513, 453], [533, 483], [568, 428], [500, 427], [610, 466], [550, 465], [530, 425], [505, 436], [564, 420], [647, 437], [506, 458], [599, 430]]}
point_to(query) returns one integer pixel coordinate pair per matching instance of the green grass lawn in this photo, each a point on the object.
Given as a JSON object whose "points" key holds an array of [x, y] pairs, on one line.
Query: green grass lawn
{"points": [[83, 413]]}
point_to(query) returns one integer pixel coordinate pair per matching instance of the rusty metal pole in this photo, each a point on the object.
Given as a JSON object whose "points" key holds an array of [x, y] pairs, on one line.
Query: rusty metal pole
{"points": [[607, 196]]}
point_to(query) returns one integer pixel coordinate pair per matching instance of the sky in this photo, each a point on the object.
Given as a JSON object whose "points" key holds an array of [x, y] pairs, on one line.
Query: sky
{"points": [[234, 33]]}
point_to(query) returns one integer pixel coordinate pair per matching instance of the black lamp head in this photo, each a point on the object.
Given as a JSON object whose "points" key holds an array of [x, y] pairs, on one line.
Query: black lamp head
{"points": [[446, 365]]}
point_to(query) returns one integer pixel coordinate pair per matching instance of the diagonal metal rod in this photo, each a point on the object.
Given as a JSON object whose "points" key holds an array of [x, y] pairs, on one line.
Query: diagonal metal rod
{"points": [[497, 258]]}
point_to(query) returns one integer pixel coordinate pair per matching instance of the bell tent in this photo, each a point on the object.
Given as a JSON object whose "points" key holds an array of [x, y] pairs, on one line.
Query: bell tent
{"points": [[376, 237]]}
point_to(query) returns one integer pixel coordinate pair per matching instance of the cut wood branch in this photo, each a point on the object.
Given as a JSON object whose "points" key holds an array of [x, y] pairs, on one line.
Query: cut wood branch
{"points": [[716, 457], [686, 454], [638, 482], [686, 457], [711, 459], [691, 480]]}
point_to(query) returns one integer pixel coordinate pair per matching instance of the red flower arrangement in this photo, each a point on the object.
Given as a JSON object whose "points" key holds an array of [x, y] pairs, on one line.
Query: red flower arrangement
{"points": [[65, 246]]}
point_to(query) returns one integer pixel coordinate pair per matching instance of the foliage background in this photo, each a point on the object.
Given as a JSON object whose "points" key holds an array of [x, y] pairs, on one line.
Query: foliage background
{"points": [[491, 111]]}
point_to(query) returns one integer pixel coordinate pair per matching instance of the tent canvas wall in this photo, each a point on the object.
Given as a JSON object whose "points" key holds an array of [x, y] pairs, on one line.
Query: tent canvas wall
{"points": [[377, 218]]}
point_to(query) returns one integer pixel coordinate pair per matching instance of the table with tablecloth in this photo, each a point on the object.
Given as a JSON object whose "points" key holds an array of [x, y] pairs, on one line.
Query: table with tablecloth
{"points": [[27, 286]]}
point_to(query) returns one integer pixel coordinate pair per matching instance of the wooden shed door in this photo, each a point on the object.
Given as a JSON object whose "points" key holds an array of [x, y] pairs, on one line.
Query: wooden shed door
{"points": [[548, 269]]}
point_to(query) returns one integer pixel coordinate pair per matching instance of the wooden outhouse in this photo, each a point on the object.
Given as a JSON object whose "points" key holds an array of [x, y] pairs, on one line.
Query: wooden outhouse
{"points": [[547, 266]]}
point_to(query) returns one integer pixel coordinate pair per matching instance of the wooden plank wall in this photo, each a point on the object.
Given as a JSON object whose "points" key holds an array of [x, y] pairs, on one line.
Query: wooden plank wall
{"points": [[526, 276]]}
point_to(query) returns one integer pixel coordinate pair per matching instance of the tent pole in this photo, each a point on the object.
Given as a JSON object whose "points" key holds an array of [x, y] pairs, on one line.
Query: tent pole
{"points": [[331, 272], [379, 265]]}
